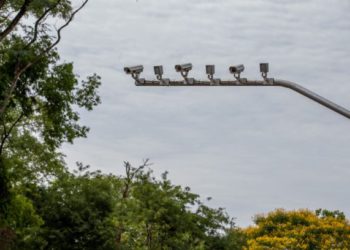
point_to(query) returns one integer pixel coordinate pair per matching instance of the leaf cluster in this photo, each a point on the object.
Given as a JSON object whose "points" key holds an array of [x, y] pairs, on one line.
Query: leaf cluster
{"points": [[301, 229]]}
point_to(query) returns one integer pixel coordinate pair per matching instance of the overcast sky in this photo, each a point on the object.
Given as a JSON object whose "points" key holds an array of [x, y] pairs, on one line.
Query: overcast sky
{"points": [[251, 149]]}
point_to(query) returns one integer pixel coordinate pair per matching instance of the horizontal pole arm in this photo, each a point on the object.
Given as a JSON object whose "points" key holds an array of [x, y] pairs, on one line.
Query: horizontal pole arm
{"points": [[244, 82]]}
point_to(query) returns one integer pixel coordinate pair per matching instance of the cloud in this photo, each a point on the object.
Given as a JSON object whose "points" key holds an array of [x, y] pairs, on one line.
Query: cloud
{"points": [[251, 149]]}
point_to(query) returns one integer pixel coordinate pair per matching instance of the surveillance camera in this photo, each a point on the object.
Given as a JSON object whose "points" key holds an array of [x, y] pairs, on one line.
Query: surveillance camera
{"points": [[158, 70], [237, 69], [210, 69], [133, 70], [264, 68], [183, 67]]}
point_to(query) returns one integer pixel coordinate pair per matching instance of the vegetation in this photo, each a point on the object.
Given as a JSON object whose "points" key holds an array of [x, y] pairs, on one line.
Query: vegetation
{"points": [[45, 206], [37, 95], [301, 229], [90, 210]]}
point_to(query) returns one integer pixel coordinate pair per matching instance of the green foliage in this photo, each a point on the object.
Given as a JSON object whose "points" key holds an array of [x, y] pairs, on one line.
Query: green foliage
{"points": [[39, 99], [36, 8], [95, 211], [24, 221], [163, 216], [324, 213], [4, 190], [234, 239], [82, 214], [34, 84]]}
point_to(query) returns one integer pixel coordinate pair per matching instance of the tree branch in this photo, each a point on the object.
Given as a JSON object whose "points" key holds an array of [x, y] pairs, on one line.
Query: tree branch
{"points": [[16, 20], [13, 84], [4, 128], [38, 21], [18, 73], [8, 133], [64, 26]]}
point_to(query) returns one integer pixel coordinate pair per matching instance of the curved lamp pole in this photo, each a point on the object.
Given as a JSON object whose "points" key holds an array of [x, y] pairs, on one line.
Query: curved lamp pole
{"points": [[236, 71]]}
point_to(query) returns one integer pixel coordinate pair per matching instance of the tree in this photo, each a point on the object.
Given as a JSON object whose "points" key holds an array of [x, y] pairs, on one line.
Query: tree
{"points": [[78, 212], [38, 99], [234, 238], [155, 214], [302, 229], [91, 210]]}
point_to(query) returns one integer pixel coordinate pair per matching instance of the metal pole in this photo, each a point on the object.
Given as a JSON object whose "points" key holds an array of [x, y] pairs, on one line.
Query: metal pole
{"points": [[272, 82], [236, 71], [313, 96]]}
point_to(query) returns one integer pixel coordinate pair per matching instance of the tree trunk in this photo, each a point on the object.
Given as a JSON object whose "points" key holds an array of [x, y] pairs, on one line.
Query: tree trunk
{"points": [[4, 190]]}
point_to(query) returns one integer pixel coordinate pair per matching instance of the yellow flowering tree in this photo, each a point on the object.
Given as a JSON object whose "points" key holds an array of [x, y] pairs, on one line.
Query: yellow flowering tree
{"points": [[299, 230]]}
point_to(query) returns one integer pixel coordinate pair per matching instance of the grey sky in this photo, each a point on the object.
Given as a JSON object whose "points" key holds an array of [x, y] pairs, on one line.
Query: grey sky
{"points": [[251, 149]]}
